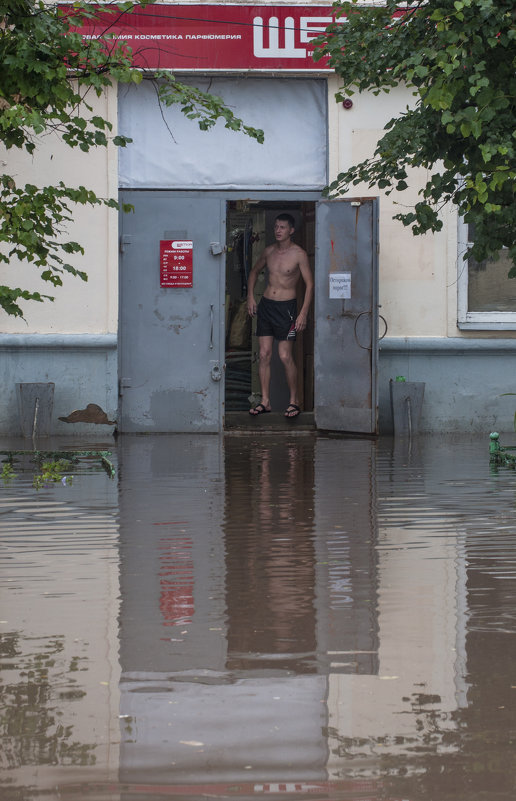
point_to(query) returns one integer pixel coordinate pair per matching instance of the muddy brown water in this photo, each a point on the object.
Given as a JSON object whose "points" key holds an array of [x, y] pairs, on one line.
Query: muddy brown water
{"points": [[261, 616]]}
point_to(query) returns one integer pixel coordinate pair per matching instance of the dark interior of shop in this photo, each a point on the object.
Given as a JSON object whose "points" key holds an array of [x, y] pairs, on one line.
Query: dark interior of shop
{"points": [[249, 229]]}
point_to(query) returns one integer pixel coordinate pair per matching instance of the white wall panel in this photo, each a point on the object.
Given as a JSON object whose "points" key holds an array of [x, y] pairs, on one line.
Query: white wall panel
{"points": [[170, 151]]}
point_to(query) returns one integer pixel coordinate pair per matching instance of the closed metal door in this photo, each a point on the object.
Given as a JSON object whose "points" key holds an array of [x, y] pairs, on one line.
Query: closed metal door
{"points": [[170, 365], [346, 328]]}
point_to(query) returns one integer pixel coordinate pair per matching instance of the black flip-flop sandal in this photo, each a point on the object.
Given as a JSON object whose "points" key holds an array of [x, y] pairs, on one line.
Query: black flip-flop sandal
{"points": [[258, 410], [292, 408]]}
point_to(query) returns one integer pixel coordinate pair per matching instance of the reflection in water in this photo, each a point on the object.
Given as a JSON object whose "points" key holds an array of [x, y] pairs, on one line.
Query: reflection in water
{"points": [[176, 580], [33, 731], [346, 540], [58, 648], [270, 556], [257, 616]]}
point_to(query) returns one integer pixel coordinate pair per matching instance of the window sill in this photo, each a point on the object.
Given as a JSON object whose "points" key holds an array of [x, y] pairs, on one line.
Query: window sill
{"points": [[487, 326]]}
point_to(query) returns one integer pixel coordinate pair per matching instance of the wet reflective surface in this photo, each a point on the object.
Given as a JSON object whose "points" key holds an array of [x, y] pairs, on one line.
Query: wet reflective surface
{"points": [[261, 617]]}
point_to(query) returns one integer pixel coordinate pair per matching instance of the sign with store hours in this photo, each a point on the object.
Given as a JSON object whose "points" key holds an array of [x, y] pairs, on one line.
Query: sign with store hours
{"points": [[176, 262]]}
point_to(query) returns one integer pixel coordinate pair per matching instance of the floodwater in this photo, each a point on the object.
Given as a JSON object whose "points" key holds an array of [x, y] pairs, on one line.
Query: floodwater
{"points": [[259, 617]]}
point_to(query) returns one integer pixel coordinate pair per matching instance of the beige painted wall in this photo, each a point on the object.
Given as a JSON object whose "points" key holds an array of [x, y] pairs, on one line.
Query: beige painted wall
{"points": [[417, 274], [414, 271], [79, 307]]}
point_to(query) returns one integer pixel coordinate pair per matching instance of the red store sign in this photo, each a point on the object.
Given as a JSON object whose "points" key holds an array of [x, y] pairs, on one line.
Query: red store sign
{"points": [[218, 37], [176, 262]]}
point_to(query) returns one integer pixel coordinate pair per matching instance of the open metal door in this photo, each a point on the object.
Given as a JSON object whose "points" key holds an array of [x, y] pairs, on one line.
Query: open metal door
{"points": [[346, 316], [170, 334]]}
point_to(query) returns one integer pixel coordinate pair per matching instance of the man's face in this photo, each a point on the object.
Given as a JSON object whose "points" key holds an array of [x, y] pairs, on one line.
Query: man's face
{"points": [[282, 231]]}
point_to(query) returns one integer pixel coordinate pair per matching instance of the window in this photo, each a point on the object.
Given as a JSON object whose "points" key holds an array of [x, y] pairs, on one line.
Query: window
{"points": [[486, 296]]}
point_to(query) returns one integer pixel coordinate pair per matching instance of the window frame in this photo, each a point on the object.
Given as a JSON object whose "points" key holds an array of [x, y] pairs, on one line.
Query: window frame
{"points": [[467, 320]]}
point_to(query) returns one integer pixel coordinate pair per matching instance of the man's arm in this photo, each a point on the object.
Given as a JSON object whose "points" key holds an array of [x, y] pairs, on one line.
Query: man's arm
{"points": [[307, 276], [251, 281]]}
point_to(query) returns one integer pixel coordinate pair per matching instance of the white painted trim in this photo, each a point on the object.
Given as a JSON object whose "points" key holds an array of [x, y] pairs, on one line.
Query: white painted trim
{"points": [[446, 345], [59, 341], [475, 321]]}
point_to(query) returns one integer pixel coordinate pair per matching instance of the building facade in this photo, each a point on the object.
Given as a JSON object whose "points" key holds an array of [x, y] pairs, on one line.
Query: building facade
{"points": [[157, 337]]}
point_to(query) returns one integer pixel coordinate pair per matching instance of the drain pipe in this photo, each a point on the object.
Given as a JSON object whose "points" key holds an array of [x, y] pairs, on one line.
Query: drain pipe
{"points": [[35, 421], [409, 415]]}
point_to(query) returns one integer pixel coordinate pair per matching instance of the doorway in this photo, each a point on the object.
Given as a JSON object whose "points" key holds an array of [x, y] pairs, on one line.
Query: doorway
{"points": [[249, 229], [176, 338]]}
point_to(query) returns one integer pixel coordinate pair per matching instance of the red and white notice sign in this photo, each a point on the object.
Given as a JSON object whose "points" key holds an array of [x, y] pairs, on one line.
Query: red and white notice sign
{"points": [[176, 262], [217, 37]]}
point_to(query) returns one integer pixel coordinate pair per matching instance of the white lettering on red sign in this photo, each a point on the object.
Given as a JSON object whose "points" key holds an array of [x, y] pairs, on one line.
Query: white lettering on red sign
{"points": [[217, 37], [309, 28], [176, 262]]}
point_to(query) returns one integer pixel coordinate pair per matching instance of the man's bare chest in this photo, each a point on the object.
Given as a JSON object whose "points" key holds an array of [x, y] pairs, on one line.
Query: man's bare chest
{"points": [[283, 265]]}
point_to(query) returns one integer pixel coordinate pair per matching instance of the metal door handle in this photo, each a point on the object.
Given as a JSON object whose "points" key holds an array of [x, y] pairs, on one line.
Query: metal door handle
{"points": [[211, 326], [357, 318]]}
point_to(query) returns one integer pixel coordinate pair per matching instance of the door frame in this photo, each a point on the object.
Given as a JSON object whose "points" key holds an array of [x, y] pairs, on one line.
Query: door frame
{"points": [[224, 196], [270, 206]]}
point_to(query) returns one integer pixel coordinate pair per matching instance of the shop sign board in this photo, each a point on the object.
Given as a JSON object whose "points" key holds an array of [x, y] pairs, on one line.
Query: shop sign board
{"points": [[217, 37], [176, 263]]}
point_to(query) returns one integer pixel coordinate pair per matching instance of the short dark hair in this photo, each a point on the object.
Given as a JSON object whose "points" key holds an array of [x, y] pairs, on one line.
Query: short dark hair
{"points": [[284, 217]]}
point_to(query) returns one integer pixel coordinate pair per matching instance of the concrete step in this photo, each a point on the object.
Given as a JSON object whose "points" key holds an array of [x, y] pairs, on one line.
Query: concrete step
{"points": [[274, 421]]}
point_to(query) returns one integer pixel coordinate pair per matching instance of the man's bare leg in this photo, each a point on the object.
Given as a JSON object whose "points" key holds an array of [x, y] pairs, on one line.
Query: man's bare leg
{"points": [[264, 373], [286, 354]]}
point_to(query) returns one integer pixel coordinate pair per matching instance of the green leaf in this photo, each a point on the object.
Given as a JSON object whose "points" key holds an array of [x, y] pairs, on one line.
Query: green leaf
{"points": [[460, 129], [40, 55]]}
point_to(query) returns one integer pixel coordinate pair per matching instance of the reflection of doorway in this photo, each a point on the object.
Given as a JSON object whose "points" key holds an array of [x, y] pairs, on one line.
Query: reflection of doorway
{"points": [[269, 554], [249, 228]]}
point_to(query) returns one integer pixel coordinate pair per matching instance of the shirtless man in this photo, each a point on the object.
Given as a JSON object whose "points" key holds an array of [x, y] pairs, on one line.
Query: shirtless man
{"points": [[278, 317]]}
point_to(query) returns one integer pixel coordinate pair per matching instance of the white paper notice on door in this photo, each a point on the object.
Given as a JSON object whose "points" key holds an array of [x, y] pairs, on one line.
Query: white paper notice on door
{"points": [[340, 285]]}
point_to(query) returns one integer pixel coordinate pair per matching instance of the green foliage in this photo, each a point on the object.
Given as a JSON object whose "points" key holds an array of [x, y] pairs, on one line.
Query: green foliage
{"points": [[7, 473], [51, 473], [197, 105], [458, 57], [54, 466], [48, 74]]}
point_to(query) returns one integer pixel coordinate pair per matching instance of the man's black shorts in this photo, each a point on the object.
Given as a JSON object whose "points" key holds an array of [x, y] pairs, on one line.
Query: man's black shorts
{"points": [[277, 318]]}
